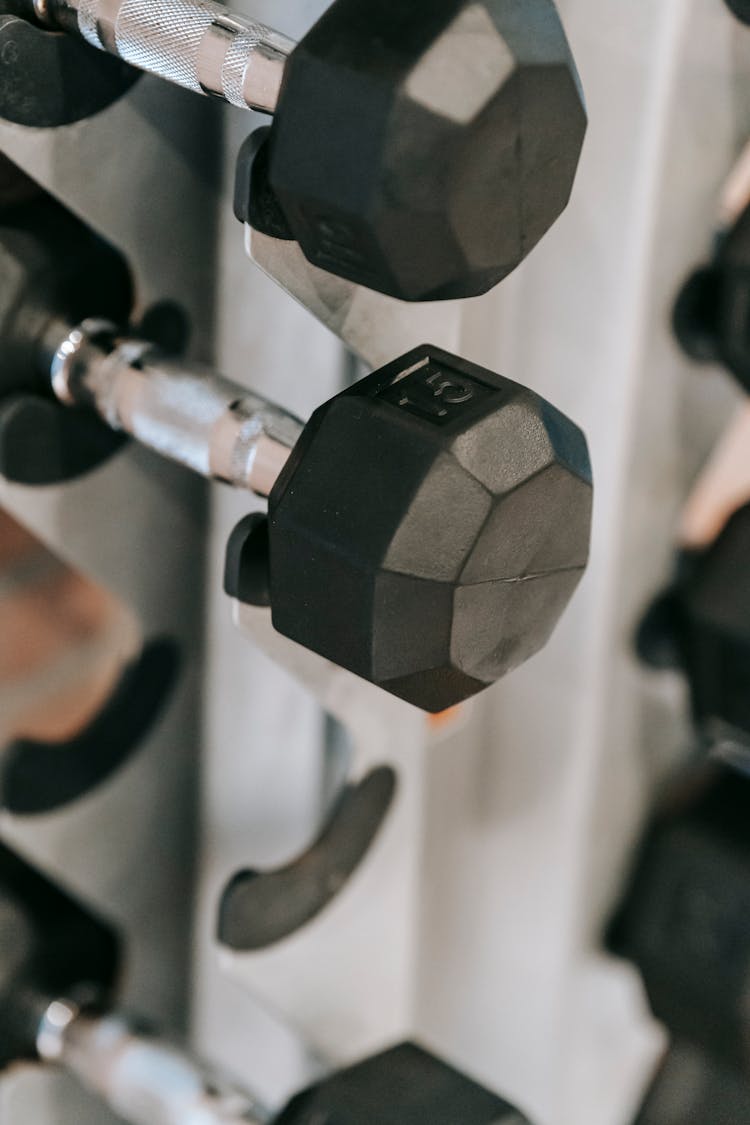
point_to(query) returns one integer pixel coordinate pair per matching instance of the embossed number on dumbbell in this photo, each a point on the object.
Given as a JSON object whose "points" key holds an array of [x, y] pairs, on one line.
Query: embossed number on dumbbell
{"points": [[435, 392], [337, 244]]}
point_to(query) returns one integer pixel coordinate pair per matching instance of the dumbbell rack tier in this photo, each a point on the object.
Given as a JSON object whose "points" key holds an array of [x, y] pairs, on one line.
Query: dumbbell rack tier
{"points": [[138, 528]]}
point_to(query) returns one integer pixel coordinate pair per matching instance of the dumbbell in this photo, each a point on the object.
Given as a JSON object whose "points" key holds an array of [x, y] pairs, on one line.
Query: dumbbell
{"points": [[425, 529], [691, 1088], [741, 9], [701, 623], [683, 920], [418, 149], [48, 79], [59, 969], [711, 316]]}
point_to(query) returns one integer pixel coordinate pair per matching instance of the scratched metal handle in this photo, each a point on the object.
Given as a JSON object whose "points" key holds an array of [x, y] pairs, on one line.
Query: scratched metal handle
{"points": [[198, 44]]}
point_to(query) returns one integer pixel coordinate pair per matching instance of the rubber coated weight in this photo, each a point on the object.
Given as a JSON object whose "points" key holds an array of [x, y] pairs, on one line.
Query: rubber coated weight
{"points": [[701, 625], [712, 313], [741, 9], [423, 149], [716, 628], [49, 79], [683, 920], [430, 527], [403, 1086], [692, 1089]]}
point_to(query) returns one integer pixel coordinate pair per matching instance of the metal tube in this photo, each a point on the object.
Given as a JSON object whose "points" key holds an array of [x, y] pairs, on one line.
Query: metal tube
{"points": [[145, 1081], [198, 418], [198, 44]]}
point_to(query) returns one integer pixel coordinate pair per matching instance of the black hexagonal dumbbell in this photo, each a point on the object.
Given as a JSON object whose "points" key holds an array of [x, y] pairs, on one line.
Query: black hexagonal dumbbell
{"points": [[459, 125], [418, 149], [701, 625], [59, 969], [692, 1088], [712, 312], [404, 1086], [684, 917], [426, 530]]}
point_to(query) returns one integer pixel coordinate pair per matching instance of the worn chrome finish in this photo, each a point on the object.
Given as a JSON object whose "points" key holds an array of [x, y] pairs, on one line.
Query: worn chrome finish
{"points": [[198, 44], [197, 418], [41, 10], [50, 1038], [142, 1079]]}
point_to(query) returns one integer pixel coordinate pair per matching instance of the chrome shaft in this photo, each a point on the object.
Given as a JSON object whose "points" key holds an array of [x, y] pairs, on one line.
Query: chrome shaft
{"points": [[145, 1081], [198, 44], [197, 418]]}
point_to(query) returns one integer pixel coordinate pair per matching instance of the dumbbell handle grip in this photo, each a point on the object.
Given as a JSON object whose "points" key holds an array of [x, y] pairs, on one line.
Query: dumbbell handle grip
{"points": [[145, 1081], [198, 44], [195, 417]]}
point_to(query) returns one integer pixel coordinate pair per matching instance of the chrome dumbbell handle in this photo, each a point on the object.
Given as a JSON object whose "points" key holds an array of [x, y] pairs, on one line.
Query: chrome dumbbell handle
{"points": [[145, 1081], [197, 418], [198, 44]]}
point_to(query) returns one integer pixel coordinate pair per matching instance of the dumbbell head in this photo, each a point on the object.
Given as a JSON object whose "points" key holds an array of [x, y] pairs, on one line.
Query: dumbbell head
{"points": [[51, 79], [701, 625], [741, 9], [423, 149], [405, 1085], [715, 629], [683, 919], [712, 313], [429, 528]]}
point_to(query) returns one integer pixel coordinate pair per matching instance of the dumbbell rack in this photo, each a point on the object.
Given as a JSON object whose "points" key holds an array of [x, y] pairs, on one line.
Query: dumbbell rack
{"points": [[101, 526], [474, 920]]}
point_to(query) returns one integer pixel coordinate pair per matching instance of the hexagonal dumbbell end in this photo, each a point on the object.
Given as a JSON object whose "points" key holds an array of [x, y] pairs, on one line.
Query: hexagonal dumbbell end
{"points": [[683, 918], [459, 124], [741, 9], [429, 528], [405, 1085]]}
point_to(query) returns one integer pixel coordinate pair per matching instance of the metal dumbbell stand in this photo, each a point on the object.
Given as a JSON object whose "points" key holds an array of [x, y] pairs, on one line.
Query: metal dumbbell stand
{"points": [[139, 531]]}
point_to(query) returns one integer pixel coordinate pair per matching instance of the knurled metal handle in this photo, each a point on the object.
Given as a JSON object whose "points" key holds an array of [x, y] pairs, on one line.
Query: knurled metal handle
{"points": [[198, 44]]}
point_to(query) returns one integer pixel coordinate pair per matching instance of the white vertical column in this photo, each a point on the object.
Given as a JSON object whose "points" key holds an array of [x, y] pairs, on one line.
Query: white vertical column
{"points": [[528, 836]]}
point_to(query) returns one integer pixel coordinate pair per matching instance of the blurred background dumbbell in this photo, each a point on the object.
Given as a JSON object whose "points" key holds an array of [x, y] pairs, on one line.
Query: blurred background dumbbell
{"points": [[50, 79], [700, 624], [421, 151], [691, 1088], [683, 918], [712, 312], [60, 967], [425, 530], [741, 9]]}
